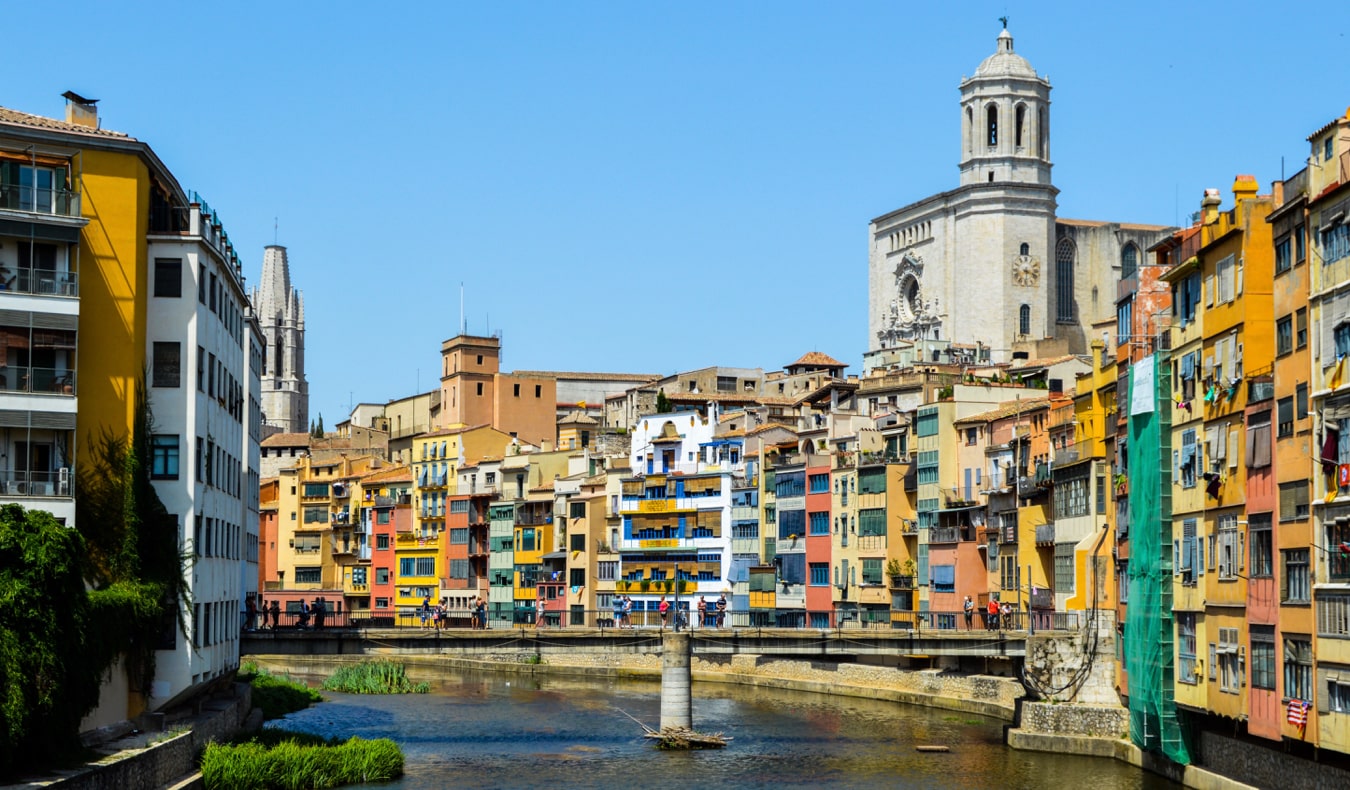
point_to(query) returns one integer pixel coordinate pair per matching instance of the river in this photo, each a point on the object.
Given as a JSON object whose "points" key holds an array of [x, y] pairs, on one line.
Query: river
{"points": [[487, 730]]}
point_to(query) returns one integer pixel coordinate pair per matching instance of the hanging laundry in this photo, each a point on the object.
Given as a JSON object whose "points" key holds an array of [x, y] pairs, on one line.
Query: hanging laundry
{"points": [[1337, 375], [1330, 449], [1298, 712], [1212, 483]]}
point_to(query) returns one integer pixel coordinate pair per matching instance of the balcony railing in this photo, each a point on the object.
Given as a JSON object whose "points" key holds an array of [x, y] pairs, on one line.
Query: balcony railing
{"points": [[42, 282], [21, 482], [37, 199], [1045, 534], [944, 535], [45, 381]]}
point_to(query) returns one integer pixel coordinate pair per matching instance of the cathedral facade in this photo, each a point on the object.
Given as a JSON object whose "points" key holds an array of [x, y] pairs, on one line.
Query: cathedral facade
{"points": [[281, 313], [988, 262]]}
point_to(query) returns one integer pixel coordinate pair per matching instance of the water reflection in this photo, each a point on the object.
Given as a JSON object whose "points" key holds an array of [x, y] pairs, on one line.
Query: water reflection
{"points": [[487, 730]]}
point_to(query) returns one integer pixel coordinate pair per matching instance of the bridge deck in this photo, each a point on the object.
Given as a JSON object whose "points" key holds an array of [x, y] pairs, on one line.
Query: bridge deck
{"points": [[759, 641]]}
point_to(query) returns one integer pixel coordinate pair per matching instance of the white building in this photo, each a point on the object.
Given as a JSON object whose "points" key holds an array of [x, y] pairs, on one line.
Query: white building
{"points": [[988, 262], [206, 352]]}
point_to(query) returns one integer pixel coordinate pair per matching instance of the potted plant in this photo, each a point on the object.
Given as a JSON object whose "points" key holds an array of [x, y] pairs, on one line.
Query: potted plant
{"points": [[902, 574]]}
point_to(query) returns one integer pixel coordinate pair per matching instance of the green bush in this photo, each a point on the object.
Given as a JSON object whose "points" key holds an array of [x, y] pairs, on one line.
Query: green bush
{"points": [[277, 695], [280, 759], [374, 677]]}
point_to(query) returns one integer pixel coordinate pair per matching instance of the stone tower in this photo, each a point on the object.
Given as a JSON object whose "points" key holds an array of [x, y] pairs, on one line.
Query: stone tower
{"points": [[1005, 120], [281, 312]]}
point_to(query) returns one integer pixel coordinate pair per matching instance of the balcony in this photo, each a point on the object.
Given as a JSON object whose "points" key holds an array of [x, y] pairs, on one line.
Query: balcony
{"points": [[944, 535], [902, 582], [478, 548], [1045, 534], [1007, 534], [45, 381], [40, 195], [1042, 598], [1073, 452], [20, 482], [350, 587]]}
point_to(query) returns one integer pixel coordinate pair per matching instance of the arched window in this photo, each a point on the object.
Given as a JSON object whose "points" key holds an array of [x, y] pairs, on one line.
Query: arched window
{"points": [[1042, 134], [1025, 249], [1129, 260], [1024, 320], [1020, 125], [991, 120], [1065, 253]]}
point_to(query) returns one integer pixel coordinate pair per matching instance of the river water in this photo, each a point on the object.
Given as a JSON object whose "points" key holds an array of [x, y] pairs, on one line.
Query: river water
{"points": [[487, 730]]}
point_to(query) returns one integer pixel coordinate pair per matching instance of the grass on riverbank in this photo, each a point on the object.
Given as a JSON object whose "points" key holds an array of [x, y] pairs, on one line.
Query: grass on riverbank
{"points": [[277, 695], [284, 760], [374, 677]]}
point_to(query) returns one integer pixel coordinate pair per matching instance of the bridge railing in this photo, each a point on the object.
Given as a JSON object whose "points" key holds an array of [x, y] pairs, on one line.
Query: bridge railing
{"points": [[411, 618]]}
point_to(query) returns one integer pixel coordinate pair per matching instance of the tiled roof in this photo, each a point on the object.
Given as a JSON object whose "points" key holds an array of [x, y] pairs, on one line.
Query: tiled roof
{"points": [[287, 440], [393, 474], [451, 431], [1028, 364], [714, 397], [578, 417], [1097, 223], [567, 374], [818, 359], [769, 426], [40, 122], [1007, 409]]}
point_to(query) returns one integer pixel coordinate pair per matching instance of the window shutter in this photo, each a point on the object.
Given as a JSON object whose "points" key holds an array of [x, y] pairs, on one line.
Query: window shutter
{"points": [[1201, 549], [1209, 290], [1176, 557], [1242, 550], [1284, 579], [1233, 449], [1212, 662]]}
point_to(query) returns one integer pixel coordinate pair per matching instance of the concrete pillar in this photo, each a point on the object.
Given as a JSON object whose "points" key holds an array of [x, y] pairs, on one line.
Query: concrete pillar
{"points": [[676, 695]]}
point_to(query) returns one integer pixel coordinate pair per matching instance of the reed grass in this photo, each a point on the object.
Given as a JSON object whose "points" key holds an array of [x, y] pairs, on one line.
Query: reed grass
{"points": [[277, 695], [289, 761], [374, 677]]}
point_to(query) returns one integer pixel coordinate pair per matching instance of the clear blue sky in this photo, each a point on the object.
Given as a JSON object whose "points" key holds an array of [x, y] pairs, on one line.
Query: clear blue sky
{"points": [[646, 187]]}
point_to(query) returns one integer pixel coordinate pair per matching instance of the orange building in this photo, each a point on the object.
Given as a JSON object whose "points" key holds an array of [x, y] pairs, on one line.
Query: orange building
{"points": [[474, 391]]}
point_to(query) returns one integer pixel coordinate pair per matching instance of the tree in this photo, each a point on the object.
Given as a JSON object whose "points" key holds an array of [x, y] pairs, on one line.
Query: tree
{"points": [[663, 403], [47, 682], [318, 432]]}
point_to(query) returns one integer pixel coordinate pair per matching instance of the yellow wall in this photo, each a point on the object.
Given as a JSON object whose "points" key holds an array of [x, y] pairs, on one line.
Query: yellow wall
{"points": [[113, 274]]}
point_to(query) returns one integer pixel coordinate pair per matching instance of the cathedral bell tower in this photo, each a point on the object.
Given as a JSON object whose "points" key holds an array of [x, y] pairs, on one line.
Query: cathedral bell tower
{"points": [[1005, 120]]}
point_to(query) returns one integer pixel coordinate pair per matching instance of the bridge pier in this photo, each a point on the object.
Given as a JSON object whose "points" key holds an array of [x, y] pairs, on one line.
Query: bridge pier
{"points": [[676, 689]]}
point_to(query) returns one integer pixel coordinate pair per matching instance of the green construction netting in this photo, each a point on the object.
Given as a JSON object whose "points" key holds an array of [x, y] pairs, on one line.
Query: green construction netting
{"points": [[1149, 632]]}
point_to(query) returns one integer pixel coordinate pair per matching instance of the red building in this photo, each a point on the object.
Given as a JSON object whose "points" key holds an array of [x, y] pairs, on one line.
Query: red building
{"points": [[819, 596]]}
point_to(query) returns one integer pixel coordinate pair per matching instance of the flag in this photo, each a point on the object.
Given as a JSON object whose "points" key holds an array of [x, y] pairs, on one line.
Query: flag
{"points": [[1298, 712], [1338, 375]]}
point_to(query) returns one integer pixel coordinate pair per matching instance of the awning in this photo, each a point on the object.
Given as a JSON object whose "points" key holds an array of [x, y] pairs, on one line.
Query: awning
{"points": [[555, 555]]}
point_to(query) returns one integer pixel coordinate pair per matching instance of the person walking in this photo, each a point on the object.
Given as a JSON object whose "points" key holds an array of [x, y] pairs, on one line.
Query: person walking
{"points": [[663, 607], [968, 608], [991, 615], [424, 611], [276, 614]]}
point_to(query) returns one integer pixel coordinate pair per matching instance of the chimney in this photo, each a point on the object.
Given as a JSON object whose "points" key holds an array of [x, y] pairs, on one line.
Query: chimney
{"points": [[1244, 186], [1209, 206], [81, 111]]}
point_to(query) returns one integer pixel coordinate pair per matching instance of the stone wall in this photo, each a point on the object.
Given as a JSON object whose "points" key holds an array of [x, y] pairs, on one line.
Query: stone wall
{"points": [[1091, 720], [1262, 766], [145, 762], [1052, 662]]}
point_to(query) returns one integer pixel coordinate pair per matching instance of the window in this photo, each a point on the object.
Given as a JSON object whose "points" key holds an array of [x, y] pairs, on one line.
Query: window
{"points": [[381, 541], [1300, 244], [308, 575], [1229, 547], [1341, 337], [1129, 261], [871, 570], [1010, 574], [1284, 260], [1226, 280], [943, 578], [1338, 550], [577, 542], [1065, 255], [872, 522], [1294, 501], [1294, 582], [1231, 671], [459, 506], [1301, 327], [316, 515], [459, 536], [168, 277], [820, 574], [1338, 695], [1263, 656], [538, 390], [1262, 562], [426, 566], [1333, 615], [1284, 335], [991, 121], [576, 510], [1064, 567], [1186, 648], [820, 484], [166, 364], [1327, 148], [1024, 318], [820, 523], [1190, 460], [1298, 669], [1284, 415], [1301, 401], [381, 575], [407, 566], [459, 569], [1335, 242], [605, 570], [164, 457]]}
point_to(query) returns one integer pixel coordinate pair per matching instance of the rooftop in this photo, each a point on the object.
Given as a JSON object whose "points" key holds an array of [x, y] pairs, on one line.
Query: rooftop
{"points": [[8, 116], [817, 359]]}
